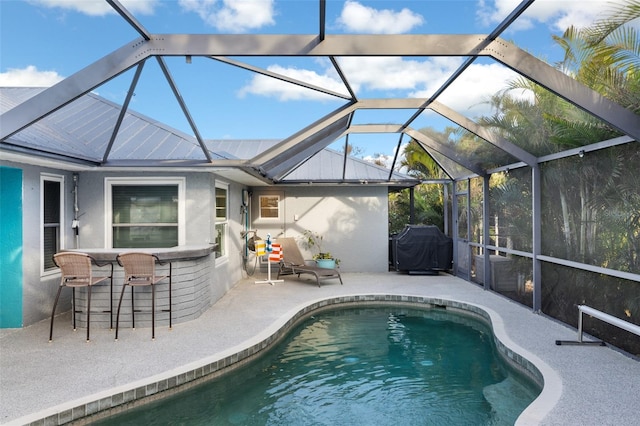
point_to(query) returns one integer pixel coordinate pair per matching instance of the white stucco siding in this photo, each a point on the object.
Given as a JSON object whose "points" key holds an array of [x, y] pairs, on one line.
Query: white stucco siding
{"points": [[39, 289], [353, 221]]}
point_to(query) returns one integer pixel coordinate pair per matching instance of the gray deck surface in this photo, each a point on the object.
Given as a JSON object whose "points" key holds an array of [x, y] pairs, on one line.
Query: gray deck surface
{"points": [[588, 385]]}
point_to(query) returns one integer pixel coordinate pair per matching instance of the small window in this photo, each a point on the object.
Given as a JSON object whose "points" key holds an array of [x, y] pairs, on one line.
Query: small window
{"points": [[221, 204], [52, 218], [144, 213], [269, 207], [221, 219]]}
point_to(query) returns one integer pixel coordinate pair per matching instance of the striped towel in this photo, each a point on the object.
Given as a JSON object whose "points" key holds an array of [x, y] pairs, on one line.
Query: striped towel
{"points": [[260, 247], [276, 253]]}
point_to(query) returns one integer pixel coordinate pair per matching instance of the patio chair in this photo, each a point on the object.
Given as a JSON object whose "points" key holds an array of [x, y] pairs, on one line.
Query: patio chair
{"points": [[76, 271], [294, 264], [140, 271]]}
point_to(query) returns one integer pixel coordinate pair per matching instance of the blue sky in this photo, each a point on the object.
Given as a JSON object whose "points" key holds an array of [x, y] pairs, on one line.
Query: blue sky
{"points": [[43, 41]]}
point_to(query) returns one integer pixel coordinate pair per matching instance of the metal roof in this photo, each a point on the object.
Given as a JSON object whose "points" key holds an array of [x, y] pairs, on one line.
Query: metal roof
{"points": [[121, 138], [82, 130]]}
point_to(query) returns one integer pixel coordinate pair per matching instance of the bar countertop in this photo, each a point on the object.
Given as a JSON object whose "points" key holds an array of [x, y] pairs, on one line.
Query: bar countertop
{"points": [[186, 252]]}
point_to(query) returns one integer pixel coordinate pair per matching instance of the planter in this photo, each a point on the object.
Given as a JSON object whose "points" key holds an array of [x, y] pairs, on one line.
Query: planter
{"points": [[326, 263]]}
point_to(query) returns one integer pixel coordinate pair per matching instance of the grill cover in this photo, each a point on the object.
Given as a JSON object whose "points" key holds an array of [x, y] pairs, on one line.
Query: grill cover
{"points": [[421, 249]]}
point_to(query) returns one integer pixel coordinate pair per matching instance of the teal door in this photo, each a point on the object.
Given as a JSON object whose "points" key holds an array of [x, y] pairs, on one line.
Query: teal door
{"points": [[11, 247]]}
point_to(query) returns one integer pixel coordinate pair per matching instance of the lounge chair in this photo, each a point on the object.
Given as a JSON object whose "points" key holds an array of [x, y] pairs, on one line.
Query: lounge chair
{"points": [[294, 264]]}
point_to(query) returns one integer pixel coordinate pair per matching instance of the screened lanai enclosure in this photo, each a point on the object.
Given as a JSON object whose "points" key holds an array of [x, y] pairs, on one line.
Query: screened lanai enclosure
{"points": [[540, 193]]}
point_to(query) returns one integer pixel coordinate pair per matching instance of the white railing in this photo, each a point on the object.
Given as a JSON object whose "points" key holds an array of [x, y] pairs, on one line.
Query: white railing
{"points": [[583, 309]]}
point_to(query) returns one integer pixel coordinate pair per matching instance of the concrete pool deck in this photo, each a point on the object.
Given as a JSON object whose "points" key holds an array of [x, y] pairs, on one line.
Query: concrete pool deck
{"points": [[595, 385]]}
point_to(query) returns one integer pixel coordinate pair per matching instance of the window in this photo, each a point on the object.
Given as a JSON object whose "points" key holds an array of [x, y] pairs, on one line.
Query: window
{"points": [[221, 219], [269, 207], [145, 212], [52, 216]]}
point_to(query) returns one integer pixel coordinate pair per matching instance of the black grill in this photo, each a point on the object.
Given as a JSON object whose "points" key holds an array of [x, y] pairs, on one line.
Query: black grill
{"points": [[421, 249]]}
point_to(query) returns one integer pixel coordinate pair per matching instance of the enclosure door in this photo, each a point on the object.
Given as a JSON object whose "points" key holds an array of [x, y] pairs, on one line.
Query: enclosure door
{"points": [[462, 249]]}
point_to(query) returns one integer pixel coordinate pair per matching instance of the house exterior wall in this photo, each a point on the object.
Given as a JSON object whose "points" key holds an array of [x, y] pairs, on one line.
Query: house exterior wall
{"points": [[352, 220], [39, 289], [199, 212]]}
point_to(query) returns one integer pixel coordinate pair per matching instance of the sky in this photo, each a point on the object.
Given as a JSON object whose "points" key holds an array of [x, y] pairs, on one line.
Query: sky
{"points": [[44, 41]]}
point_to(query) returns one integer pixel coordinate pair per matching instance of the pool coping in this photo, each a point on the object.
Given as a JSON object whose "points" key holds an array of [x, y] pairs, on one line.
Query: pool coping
{"points": [[117, 399]]}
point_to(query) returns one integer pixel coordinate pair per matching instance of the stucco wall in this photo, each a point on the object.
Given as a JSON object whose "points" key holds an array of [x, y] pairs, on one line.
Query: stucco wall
{"points": [[353, 221], [199, 213], [38, 289]]}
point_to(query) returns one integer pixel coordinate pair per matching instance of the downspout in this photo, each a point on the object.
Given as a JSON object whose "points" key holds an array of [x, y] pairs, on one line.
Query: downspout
{"points": [[75, 224]]}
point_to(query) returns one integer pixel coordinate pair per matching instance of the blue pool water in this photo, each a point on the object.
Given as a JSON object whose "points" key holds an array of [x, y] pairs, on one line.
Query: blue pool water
{"points": [[359, 366]]}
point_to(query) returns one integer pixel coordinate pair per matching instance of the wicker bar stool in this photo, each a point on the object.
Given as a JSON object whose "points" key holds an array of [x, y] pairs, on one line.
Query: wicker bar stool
{"points": [[140, 271], [76, 271]]}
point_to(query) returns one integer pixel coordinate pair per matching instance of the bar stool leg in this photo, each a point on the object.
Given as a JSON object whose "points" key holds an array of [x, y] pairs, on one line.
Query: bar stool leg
{"points": [[133, 311], [53, 312], [73, 307], [124, 287], [111, 303], [153, 312], [88, 312]]}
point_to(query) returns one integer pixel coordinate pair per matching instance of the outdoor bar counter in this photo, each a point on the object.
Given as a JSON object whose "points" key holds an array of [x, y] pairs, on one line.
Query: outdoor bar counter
{"points": [[191, 268]]}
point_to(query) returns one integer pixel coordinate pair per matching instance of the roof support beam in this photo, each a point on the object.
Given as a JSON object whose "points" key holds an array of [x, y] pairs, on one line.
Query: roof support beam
{"points": [[342, 77], [281, 158], [421, 138], [130, 19], [281, 77], [483, 132], [424, 140], [515, 13], [319, 141], [71, 88], [183, 106], [128, 56], [123, 111], [395, 156], [566, 87], [346, 156], [322, 16]]}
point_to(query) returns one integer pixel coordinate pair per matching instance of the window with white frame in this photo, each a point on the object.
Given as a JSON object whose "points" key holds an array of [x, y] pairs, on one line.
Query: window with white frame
{"points": [[269, 206], [52, 217], [222, 218], [145, 212]]}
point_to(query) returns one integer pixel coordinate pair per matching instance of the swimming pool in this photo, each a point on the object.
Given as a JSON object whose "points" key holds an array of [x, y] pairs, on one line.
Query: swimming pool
{"points": [[360, 365]]}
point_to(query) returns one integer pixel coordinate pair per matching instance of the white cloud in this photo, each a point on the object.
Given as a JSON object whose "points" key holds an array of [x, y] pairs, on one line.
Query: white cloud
{"points": [[386, 160], [232, 15], [283, 91], [557, 15], [396, 73], [397, 77], [28, 77], [383, 160], [469, 93], [393, 76], [98, 7], [358, 18]]}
